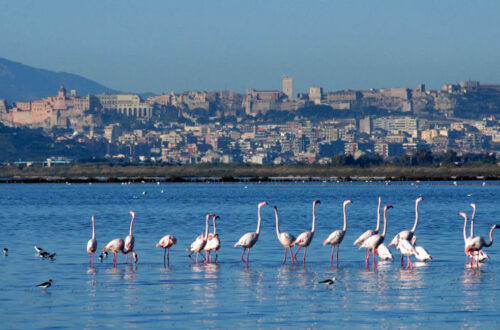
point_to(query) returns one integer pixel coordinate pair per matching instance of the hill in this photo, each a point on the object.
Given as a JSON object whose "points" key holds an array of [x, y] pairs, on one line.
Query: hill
{"points": [[20, 82]]}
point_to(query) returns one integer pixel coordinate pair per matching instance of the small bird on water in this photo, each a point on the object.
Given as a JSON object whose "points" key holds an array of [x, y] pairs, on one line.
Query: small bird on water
{"points": [[328, 281], [45, 285], [5, 252]]}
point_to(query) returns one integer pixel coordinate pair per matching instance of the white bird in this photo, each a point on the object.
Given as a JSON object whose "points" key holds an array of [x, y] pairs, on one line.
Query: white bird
{"points": [[405, 247], [92, 243], [407, 234], [130, 240], [200, 242], [374, 241], [285, 239], [420, 253], [166, 242], [336, 237], [383, 252], [249, 239], [370, 232], [213, 242], [304, 239], [477, 243]]}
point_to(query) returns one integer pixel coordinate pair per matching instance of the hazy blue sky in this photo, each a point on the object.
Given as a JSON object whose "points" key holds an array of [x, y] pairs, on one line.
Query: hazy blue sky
{"points": [[164, 46]]}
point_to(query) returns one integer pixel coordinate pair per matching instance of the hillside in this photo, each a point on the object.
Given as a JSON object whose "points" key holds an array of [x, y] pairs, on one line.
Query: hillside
{"points": [[19, 82]]}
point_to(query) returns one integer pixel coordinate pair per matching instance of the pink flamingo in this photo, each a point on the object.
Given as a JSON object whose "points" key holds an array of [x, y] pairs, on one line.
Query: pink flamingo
{"points": [[92, 243], [477, 243], [337, 236], [374, 241], [166, 242], [405, 247], [213, 242], [479, 255], [467, 240], [200, 242], [420, 253], [370, 232], [304, 239], [383, 252], [285, 239], [407, 234], [249, 239], [130, 240]]}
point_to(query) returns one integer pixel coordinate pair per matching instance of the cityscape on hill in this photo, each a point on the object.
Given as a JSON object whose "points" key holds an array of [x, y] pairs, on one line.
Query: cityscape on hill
{"points": [[257, 127]]}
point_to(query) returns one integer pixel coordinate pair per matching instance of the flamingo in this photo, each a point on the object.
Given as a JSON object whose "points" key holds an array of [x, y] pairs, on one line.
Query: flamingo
{"points": [[467, 240], [407, 234], [480, 254], [166, 242], [477, 243], [249, 239], [130, 240], [370, 232], [200, 242], [383, 252], [213, 242], [306, 237], [285, 239], [337, 236], [405, 247], [420, 253], [114, 247], [374, 241], [92, 243]]}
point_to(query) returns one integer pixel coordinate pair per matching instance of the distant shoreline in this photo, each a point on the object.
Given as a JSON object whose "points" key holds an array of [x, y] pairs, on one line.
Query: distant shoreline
{"points": [[117, 173]]}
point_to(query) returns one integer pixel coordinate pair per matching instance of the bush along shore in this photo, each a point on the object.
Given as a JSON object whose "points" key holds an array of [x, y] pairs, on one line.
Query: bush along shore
{"points": [[112, 173]]}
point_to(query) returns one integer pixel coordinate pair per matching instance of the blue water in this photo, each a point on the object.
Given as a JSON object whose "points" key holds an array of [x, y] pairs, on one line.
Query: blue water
{"points": [[443, 292]]}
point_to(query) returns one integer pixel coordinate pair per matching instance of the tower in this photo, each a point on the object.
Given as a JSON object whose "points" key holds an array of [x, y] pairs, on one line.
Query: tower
{"points": [[288, 86]]}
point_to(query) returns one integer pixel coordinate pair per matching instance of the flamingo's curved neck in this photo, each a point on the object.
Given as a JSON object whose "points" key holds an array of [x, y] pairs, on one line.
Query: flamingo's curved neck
{"points": [[491, 236], [472, 221], [93, 227], [132, 224], [345, 218], [258, 221], [416, 216], [277, 222], [385, 222], [378, 214], [206, 228], [465, 225], [314, 217]]}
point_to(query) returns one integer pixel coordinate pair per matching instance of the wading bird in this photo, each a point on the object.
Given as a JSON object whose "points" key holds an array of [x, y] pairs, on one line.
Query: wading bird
{"points": [[304, 239], [337, 236], [370, 232], [249, 239], [92, 243], [374, 241], [130, 240], [213, 242], [200, 241], [285, 239]]}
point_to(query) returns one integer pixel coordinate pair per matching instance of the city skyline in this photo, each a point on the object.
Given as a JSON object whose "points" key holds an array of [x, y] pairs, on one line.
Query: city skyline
{"points": [[162, 47]]}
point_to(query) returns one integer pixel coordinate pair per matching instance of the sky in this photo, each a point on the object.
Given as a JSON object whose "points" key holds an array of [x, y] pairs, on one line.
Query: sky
{"points": [[164, 46]]}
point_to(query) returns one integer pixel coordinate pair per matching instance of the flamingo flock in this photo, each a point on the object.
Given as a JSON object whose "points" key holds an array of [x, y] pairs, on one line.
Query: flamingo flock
{"points": [[370, 240]]}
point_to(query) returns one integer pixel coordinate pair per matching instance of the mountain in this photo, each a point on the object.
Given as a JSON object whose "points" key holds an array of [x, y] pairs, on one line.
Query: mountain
{"points": [[19, 82]]}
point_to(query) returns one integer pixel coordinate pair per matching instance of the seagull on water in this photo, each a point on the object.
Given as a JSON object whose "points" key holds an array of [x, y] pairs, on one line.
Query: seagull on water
{"points": [[45, 285]]}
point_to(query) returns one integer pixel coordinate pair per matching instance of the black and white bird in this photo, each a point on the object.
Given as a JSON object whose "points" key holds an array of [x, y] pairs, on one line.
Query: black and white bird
{"points": [[105, 254], [329, 281], [38, 249], [101, 256], [5, 252], [45, 285], [44, 254]]}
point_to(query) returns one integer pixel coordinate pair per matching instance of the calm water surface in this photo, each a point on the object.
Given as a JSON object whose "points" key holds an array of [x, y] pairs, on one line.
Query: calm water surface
{"points": [[266, 294]]}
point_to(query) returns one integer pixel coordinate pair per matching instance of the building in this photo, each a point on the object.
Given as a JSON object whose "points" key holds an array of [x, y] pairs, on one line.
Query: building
{"points": [[125, 104], [287, 86], [365, 125], [315, 94]]}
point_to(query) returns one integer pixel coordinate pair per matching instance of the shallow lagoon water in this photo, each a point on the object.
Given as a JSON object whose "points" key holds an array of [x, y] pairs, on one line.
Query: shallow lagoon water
{"points": [[444, 292]]}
